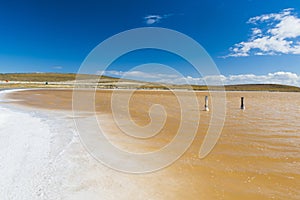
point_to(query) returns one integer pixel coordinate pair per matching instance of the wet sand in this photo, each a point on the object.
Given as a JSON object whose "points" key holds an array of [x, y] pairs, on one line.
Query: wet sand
{"points": [[257, 156]]}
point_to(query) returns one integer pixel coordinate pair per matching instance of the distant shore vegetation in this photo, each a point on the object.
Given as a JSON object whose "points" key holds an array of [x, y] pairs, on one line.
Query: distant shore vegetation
{"points": [[67, 80]]}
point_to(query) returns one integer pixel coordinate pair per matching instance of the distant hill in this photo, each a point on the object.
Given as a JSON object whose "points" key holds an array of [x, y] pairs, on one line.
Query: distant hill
{"points": [[36, 77], [263, 87], [43, 77], [58, 80]]}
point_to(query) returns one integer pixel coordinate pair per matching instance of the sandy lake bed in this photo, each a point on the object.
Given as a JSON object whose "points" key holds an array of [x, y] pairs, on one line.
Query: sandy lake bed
{"points": [[256, 157]]}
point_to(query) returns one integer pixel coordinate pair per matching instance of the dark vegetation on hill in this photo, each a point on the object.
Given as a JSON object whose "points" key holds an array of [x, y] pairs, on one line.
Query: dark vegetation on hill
{"points": [[42, 77]]}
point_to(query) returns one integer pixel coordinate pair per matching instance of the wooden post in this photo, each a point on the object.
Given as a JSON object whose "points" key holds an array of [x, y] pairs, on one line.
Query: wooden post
{"points": [[242, 103], [206, 104]]}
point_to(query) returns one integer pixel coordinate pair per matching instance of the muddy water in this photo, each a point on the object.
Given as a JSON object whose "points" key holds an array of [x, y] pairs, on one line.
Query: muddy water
{"points": [[256, 157]]}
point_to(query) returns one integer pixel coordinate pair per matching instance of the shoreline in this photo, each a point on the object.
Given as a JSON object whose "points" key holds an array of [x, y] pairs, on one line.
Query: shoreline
{"points": [[70, 173], [50, 155], [32, 152]]}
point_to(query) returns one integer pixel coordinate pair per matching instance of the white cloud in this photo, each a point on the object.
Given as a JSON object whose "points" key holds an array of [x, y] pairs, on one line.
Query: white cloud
{"points": [[154, 19], [138, 74], [256, 32], [275, 33], [285, 78]]}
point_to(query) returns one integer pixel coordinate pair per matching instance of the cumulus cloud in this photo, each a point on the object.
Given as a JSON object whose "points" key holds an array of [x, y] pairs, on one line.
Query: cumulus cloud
{"points": [[285, 78], [273, 34], [154, 19]]}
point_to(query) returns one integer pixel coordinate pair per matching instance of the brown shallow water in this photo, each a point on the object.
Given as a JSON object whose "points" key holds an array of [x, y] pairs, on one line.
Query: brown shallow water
{"points": [[257, 156]]}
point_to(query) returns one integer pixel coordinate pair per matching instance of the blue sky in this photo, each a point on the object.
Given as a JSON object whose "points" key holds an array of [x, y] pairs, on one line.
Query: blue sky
{"points": [[249, 40]]}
